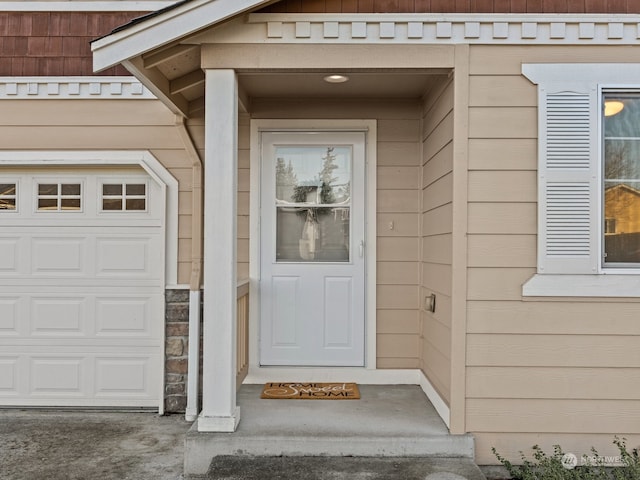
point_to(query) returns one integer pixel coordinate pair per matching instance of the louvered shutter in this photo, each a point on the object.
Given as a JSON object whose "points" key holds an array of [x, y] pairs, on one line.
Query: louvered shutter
{"points": [[568, 182]]}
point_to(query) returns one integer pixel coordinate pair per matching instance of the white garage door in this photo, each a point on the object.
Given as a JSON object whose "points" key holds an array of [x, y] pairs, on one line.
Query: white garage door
{"points": [[81, 288]]}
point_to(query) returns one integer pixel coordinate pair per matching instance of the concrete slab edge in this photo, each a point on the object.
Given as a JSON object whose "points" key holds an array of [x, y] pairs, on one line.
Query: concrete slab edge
{"points": [[201, 449]]}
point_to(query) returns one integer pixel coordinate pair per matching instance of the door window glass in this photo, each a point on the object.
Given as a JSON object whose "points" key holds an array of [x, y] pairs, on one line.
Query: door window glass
{"points": [[313, 203]]}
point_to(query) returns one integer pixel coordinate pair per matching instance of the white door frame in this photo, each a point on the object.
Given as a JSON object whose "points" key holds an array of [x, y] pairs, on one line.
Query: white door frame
{"points": [[320, 339], [256, 372]]}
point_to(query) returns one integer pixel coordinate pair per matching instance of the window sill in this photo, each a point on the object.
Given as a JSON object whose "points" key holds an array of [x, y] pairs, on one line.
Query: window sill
{"points": [[582, 286]]}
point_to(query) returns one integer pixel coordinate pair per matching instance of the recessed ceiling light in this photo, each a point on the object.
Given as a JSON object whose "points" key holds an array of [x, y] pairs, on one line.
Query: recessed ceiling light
{"points": [[612, 107], [336, 78]]}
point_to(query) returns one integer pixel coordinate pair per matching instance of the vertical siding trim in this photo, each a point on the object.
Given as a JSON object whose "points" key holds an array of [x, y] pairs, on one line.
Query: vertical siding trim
{"points": [[457, 401]]}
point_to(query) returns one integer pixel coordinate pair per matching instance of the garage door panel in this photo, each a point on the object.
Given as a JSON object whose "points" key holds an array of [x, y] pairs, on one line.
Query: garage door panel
{"points": [[108, 286], [9, 314], [9, 251], [9, 376], [126, 375], [96, 378], [59, 256], [58, 316], [128, 257], [56, 376], [126, 316], [91, 257], [41, 346], [85, 316]]}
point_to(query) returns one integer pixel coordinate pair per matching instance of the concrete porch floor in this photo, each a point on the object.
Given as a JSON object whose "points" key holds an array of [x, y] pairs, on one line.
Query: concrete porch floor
{"points": [[388, 421]]}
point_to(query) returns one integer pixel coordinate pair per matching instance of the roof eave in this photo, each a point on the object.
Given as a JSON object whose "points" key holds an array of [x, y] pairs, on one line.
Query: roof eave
{"points": [[167, 27]]}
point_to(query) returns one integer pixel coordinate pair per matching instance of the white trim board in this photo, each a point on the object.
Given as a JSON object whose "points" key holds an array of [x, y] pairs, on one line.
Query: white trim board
{"points": [[79, 88], [615, 285], [444, 29], [86, 6], [117, 157], [309, 125], [612, 74], [164, 28], [453, 28]]}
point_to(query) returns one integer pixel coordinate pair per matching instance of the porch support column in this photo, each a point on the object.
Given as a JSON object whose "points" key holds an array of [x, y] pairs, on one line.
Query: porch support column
{"points": [[219, 410]]}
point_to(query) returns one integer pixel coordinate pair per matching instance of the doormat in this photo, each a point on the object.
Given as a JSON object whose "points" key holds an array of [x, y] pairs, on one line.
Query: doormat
{"points": [[310, 391]]}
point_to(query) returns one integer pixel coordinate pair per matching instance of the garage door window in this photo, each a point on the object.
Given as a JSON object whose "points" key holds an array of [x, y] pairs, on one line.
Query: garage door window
{"points": [[8, 197], [59, 197], [118, 197]]}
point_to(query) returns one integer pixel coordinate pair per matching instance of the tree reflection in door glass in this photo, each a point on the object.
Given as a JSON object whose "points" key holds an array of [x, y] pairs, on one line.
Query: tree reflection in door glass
{"points": [[313, 202]]}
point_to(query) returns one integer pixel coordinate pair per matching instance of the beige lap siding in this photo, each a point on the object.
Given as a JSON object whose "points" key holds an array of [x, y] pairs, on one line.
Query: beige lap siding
{"points": [[436, 236], [563, 368], [105, 125]]}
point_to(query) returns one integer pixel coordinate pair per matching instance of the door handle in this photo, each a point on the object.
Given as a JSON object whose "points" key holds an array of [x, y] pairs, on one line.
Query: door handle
{"points": [[361, 248]]}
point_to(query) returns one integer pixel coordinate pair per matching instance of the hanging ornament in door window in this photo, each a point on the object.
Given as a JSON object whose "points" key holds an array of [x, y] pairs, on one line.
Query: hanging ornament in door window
{"points": [[310, 234]]}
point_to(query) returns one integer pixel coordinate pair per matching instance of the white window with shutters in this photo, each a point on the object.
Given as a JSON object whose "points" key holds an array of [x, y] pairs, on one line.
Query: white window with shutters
{"points": [[571, 182]]}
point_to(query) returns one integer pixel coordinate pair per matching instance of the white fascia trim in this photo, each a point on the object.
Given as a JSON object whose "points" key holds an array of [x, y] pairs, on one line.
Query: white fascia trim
{"points": [[165, 28], [526, 29], [73, 88], [86, 6], [142, 158], [582, 73], [604, 286], [440, 17]]}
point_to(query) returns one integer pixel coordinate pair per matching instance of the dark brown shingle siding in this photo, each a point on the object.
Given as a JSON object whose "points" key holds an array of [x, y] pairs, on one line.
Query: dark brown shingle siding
{"points": [[455, 6], [55, 43], [58, 43]]}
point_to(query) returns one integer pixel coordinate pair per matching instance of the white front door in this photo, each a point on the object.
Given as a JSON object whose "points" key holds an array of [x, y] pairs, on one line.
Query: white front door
{"points": [[312, 249]]}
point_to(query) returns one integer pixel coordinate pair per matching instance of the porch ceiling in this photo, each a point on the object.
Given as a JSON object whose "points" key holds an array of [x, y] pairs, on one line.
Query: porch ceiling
{"points": [[177, 76]]}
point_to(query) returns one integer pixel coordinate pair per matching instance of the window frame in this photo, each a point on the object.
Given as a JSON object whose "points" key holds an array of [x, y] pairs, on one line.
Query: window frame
{"points": [[623, 268], [123, 197], [587, 277], [16, 196], [60, 181]]}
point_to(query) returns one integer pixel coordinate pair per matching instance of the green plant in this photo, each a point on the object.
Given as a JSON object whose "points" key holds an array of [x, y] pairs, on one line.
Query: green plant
{"points": [[563, 466], [631, 461]]}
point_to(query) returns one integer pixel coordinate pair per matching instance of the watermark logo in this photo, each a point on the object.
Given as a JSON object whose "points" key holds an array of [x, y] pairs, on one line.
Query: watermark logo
{"points": [[569, 461], [603, 461]]}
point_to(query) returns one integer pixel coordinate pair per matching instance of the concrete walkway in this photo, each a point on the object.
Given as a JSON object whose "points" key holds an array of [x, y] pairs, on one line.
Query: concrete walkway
{"points": [[64, 445], [395, 424]]}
